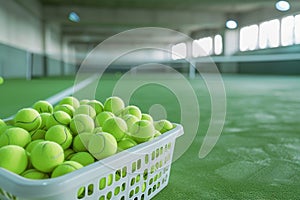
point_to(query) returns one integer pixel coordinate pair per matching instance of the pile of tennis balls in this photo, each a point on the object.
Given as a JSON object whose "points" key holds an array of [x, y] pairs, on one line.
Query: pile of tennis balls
{"points": [[48, 141]]}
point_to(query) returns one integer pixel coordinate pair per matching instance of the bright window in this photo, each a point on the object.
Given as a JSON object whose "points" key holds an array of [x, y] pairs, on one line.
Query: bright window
{"points": [[179, 51], [269, 34], [218, 44], [287, 30], [207, 45], [196, 49], [297, 29], [249, 38]]}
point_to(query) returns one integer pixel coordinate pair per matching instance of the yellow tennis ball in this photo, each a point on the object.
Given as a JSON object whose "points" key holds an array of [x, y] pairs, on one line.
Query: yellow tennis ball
{"points": [[34, 174], [61, 135], [68, 153], [163, 125], [2, 123], [65, 168], [28, 118], [38, 134], [58, 118], [44, 117], [114, 104], [156, 133], [102, 117], [130, 120], [82, 123], [1, 80], [32, 144], [81, 141], [102, 145], [87, 110], [66, 108], [15, 136], [115, 126], [47, 155], [132, 110], [71, 101], [13, 158], [147, 117], [97, 105], [84, 158], [142, 131], [43, 106], [126, 143]]}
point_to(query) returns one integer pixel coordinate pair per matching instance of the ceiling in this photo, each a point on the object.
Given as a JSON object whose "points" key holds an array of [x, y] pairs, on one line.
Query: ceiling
{"points": [[100, 19]]}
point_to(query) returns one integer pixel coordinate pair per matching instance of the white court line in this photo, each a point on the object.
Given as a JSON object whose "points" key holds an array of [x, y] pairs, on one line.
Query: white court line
{"points": [[57, 97]]}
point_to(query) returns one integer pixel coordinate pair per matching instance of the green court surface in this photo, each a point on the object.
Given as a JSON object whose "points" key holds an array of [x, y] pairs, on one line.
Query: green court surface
{"points": [[257, 155]]}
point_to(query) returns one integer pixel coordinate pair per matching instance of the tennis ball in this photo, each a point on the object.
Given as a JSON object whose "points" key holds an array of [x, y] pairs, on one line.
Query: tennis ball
{"points": [[32, 144], [163, 125], [38, 134], [114, 104], [65, 167], [34, 174], [58, 118], [71, 101], [115, 126], [101, 117], [97, 130], [4, 128], [66, 108], [132, 110], [28, 118], [61, 135], [130, 120], [126, 143], [45, 156], [1, 80], [84, 158], [13, 158], [81, 141], [87, 110], [97, 105], [142, 131], [147, 117], [82, 123], [44, 117], [43, 107], [68, 153], [83, 101], [15, 136], [2, 123], [102, 145], [156, 133]]}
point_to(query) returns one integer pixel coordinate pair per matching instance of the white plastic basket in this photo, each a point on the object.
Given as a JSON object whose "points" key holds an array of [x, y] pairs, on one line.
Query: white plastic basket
{"points": [[137, 173]]}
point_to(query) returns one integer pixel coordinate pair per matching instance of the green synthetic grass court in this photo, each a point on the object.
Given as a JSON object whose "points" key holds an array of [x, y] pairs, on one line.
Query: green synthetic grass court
{"points": [[256, 157]]}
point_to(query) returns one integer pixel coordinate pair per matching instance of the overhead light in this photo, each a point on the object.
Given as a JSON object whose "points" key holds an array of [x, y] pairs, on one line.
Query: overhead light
{"points": [[231, 24], [73, 16], [282, 6]]}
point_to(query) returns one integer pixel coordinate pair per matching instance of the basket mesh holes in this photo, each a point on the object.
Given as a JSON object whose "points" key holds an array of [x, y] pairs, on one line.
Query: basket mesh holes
{"points": [[118, 175], [90, 189], [146, 159], [158, 185], [139, 164], [138, 177], [135, 198], [151, 181], [153, 155], [123, 187], [144, 187], [161, 150], [110, 179], [152, 169], [169, 145], [122, 198], [166, 148], [81, 193], [154, 188], [133, 167], [117, 191], [137, 189], [132, 182], [102, 198], [155, 177], [131, 193], [124, 172], [109, 195], [102, 183], [142, 197], [145, 174], [149, 191], [157, 153]]}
